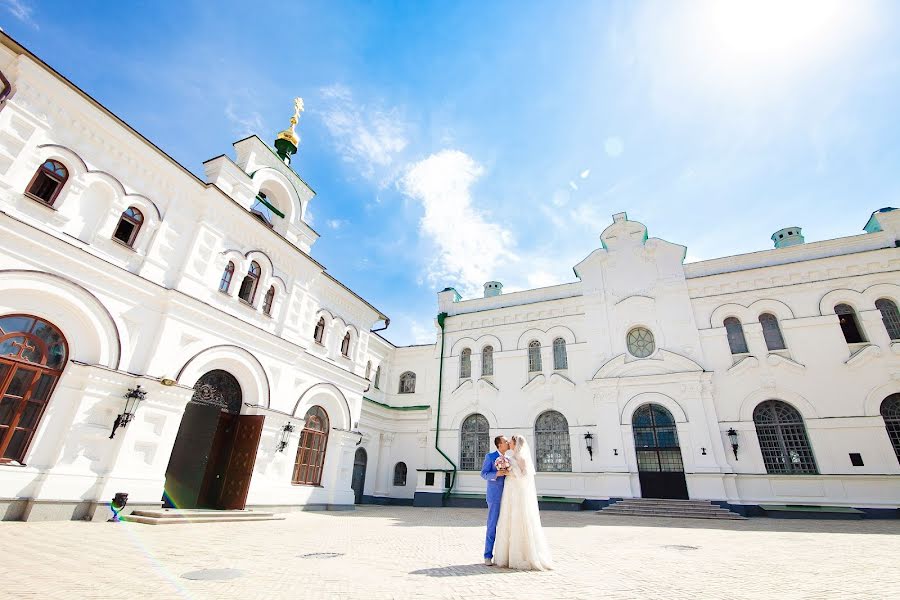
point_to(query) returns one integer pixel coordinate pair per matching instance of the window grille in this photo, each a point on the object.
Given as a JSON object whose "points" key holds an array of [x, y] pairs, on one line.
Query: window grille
{"points": [[474, 442], [771, 332], [408, 383], [465, 363], [534, 357], [782, 439], [891, 317], [560, 360], [487, 361], [890, 412], [552, 443], [735, 332], [640, 342]]}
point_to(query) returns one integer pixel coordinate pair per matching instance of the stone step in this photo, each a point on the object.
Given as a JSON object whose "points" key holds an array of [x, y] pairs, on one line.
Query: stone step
{"points": [[672, 515], [172, 516], [687, 511], [189, 520]]}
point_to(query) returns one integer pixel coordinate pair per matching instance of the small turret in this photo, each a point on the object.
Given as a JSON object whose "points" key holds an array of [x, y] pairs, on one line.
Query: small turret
{"points": [[492, 288], [789, 236]]}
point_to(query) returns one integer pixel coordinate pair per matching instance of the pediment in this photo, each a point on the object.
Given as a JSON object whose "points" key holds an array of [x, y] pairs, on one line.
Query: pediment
{"points": [[534, 383], [462, 387], [559, 379], [662, 363], [863, 355]]}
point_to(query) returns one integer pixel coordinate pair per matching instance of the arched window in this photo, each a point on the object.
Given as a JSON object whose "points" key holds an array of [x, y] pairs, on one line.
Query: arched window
{"points": [[129, 225], [345, 345], [311, 450], [890, 412], [487, 361], [534, 357], [32, 356], [408, 383], [735, 332], [771, 332], [400, 474], [368, 369], [849, 324], [268, 301], [247, 292], [782, 439], [640, 342], [560, 360], [553, 449], [227, 274], [465, 363], [319, 331], [47, 182], [474, 442], [378, 377], [891, 317]]}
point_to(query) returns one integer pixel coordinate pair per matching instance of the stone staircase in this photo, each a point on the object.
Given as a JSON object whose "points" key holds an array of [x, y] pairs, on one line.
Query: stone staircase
{"points": [[174, 516], [682, 509]]}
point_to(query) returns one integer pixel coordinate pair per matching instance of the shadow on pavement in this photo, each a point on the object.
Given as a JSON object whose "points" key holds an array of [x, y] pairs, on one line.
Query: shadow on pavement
{"points": [[462, 571]]}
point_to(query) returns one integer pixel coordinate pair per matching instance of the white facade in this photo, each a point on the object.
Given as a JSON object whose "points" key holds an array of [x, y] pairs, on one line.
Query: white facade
{"points": [[150, 312]]}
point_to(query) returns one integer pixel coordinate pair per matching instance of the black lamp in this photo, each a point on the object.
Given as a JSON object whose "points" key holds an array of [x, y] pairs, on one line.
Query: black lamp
{"points": [[733, 437], [285, 436], [133, 397], [589, 443]]}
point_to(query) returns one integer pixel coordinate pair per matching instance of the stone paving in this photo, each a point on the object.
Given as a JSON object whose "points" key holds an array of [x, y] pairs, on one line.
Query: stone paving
{"points": [[391, 552]]}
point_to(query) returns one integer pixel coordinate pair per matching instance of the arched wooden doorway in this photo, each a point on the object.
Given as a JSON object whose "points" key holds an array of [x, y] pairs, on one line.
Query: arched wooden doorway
{"points": [[215, 450], [660, 468], [360, 459], [33, 353]]}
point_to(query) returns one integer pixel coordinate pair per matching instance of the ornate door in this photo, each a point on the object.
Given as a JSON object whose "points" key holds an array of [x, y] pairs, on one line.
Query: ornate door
{"points": [[660, 468], [358, 484], [239, 469]]}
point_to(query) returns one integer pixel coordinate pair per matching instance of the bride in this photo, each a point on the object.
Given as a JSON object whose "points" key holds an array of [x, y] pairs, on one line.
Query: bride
{"points": [[520, 537]]}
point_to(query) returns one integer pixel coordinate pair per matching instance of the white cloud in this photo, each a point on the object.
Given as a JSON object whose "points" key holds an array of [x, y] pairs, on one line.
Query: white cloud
{"points": [[367, 136], [336, 223], [420, 333], [19, 9], [585, 173], [244, 122], [470, 248], [573, 185]]}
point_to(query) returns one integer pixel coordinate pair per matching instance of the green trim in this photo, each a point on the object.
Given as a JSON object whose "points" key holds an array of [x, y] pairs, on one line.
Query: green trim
{"points": [[269, 205], [388, 406], [441, 318]]}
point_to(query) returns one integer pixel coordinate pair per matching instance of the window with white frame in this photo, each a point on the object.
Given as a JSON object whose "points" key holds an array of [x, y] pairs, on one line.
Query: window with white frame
{"points": [[465, 363], [408, 383], [771, 332], [487, 361], [560, 359], [534, 357]]}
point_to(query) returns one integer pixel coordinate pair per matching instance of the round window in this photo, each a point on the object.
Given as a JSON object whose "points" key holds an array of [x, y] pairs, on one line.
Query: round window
{"points": [[640, 342]]}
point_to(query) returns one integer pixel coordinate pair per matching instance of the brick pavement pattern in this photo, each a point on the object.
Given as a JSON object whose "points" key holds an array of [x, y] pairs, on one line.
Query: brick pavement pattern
{"points": [[399, 552]]}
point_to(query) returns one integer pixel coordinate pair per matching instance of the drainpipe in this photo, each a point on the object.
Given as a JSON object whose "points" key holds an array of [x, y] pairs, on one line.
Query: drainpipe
{"points": [[387, 323], [437, 430]]}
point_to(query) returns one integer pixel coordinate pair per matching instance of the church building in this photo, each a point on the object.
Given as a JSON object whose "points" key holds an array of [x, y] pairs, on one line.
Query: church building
{"points": [[172, 338]]}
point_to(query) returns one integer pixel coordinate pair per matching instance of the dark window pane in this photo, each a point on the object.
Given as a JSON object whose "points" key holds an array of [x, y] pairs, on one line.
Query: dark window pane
{"points": [[30, 415], [10, 324], [124, 231], [16, 445], [42, 388], [21, 379], [8, 409]]}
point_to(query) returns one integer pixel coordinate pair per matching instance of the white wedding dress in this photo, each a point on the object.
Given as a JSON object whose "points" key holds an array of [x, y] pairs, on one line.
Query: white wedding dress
{"points": [[520, 542]]}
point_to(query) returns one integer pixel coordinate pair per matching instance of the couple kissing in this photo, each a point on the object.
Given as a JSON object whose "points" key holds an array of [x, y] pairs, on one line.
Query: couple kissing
{"points": [[515, 538]]}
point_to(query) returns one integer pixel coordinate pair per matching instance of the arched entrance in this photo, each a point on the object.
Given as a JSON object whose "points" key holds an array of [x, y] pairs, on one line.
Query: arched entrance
{"points": [[360, 459], [215, 450], [33, 353], [660, 468]]}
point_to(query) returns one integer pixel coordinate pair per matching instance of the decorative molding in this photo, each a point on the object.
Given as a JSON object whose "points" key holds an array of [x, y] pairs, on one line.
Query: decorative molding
{"points": [[743, 365], [863, 355]]}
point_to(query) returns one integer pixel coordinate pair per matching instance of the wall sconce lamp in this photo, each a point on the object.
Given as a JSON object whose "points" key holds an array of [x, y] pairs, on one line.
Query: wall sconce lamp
{"points": [[285, 436], [133, 397], [733, 438], [703, 451], [589, 443], [615, 451]]}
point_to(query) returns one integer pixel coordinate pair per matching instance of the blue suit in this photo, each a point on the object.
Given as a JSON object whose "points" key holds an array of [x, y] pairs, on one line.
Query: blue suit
{"points": [[494, 494]]}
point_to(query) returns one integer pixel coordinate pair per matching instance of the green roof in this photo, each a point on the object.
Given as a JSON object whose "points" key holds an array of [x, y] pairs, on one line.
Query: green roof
{"points": [[388, 406]]}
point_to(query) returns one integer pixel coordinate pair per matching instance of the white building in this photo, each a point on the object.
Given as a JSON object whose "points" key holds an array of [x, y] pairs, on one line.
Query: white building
{"points": [[119, 268]]}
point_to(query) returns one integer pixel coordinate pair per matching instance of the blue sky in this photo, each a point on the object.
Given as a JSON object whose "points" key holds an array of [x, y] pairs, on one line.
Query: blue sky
{"points": [[453, 143]]}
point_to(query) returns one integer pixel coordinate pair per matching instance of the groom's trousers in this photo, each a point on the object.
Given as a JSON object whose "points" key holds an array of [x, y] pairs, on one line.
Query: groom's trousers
{"points": [[493, 517]]}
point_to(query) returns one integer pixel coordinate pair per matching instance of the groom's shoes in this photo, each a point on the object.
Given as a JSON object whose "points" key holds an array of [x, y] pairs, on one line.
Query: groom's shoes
{"points": [[489, 562]]}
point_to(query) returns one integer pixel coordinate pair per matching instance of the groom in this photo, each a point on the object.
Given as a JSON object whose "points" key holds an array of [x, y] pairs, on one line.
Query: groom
{"points": [[495, 481]]}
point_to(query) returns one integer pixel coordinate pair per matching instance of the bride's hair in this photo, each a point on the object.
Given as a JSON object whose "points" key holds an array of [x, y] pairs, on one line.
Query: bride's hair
{"points": [[522, 450]]}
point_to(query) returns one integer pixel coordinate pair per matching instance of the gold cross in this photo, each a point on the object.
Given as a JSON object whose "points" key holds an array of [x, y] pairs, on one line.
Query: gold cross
{"points": [[23, 347]]}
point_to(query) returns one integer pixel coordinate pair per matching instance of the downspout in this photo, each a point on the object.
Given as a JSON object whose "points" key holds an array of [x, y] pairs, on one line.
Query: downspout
{"points": [[437, 429], [387, 323]]}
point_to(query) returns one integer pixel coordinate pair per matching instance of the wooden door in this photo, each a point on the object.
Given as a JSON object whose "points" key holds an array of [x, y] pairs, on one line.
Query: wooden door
{"points": [[242, 458], [358, 483]]}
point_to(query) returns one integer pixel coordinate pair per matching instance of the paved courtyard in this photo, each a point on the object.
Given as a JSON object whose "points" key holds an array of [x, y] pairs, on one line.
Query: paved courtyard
{"points": [[387, 552]]}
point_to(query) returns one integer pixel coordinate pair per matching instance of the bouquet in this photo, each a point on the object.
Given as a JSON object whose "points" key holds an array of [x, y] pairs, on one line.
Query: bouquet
{"points": [[501, 463]]}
